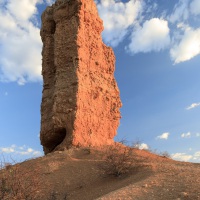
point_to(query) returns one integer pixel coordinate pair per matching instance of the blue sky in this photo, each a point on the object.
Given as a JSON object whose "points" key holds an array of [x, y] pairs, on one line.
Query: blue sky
{"points": [[157, 48]]}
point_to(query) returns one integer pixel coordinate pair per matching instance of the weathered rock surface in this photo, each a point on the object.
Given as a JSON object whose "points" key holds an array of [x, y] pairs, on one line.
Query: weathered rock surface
{"points": [[80, 102]]}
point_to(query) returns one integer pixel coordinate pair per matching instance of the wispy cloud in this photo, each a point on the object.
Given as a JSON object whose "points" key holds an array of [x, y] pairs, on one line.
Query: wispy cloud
{"points": [[117, 18], [188, 46], [151, 34], [20, 43], [180, 12], [186, 42], [186, 135], [192, 106], [130, 19], [164, 136], [195, 7], [22, 151]]}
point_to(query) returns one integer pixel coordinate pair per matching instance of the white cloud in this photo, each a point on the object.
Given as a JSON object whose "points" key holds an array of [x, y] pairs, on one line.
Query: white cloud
{"points": [[164, 136], [117, 18], [197, 155], [15, 7], [187, 157], [195, 7], [152, 36], [181, 12], [182, 157], [197, 134], [20, 43], [192, 106], [22, 150], [143, 146], [7, 149], [188, 47], [186, 135]]}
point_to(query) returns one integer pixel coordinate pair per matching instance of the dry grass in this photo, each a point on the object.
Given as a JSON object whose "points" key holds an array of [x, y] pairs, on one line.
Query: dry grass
{"points": [[75, 175], [118, 160], [16, 183]]}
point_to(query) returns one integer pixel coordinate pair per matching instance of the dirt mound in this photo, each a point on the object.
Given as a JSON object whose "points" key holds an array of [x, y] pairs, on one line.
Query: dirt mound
{"points": [[76, 174]]}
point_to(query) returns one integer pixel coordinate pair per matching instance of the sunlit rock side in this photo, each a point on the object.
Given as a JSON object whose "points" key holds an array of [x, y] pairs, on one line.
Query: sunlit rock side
{"points": [[81, 101]]}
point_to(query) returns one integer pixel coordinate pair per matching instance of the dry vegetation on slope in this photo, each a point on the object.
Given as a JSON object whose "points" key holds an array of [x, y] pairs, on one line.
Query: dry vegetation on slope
{"points": [[85, 174]]}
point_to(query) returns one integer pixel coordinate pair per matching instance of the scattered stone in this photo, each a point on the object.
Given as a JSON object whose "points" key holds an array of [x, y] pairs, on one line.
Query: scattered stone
{"points": [[184, 194], [145, 186]]}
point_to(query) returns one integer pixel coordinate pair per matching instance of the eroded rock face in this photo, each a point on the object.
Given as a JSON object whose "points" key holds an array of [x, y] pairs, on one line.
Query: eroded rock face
{"points": [[80, 102]]}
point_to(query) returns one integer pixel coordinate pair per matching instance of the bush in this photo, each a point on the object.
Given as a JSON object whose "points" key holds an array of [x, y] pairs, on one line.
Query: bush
{"points": [[136, 144], [165, 154], [117, 160], [17, 183]]}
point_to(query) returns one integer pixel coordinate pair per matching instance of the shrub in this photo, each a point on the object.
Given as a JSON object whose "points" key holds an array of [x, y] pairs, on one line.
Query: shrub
{"points": [[165, 154], [117, 160], [17, 183], [136, 144]]}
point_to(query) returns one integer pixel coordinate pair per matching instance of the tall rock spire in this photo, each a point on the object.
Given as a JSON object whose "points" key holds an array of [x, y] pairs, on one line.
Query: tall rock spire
{"points": [[80, 102]]}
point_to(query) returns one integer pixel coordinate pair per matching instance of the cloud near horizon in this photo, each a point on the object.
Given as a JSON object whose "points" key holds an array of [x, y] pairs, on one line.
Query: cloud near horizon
{"points": [[22, 151], [164, 136], [181, 157], [142, 146], [195, 157], [186, 135]]}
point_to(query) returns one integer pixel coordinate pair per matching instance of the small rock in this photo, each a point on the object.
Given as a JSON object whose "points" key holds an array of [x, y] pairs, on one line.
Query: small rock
{"points": [[145, 186], [184, 194]]}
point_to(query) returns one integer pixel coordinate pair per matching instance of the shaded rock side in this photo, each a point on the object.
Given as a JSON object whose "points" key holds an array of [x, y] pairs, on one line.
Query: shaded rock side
{"points": [[81, 101]]}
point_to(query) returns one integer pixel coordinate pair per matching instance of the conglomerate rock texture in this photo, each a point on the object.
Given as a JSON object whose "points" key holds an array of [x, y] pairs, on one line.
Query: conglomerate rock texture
{"points": [[80, 102]]}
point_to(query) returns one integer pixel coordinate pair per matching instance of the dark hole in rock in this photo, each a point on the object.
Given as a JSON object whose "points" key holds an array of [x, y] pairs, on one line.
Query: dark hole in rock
{"points": [[60, 134]]}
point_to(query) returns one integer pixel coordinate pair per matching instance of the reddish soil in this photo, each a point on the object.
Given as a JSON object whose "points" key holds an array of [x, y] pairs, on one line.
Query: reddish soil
{"points": [[77, 174]]}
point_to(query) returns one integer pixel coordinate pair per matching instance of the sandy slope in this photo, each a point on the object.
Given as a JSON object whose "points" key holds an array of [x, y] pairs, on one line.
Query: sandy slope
{"points": [[78, 175]]}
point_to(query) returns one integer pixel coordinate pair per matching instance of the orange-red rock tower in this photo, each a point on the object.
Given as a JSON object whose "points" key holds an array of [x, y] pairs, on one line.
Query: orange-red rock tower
{"points": [[80, 102]]}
